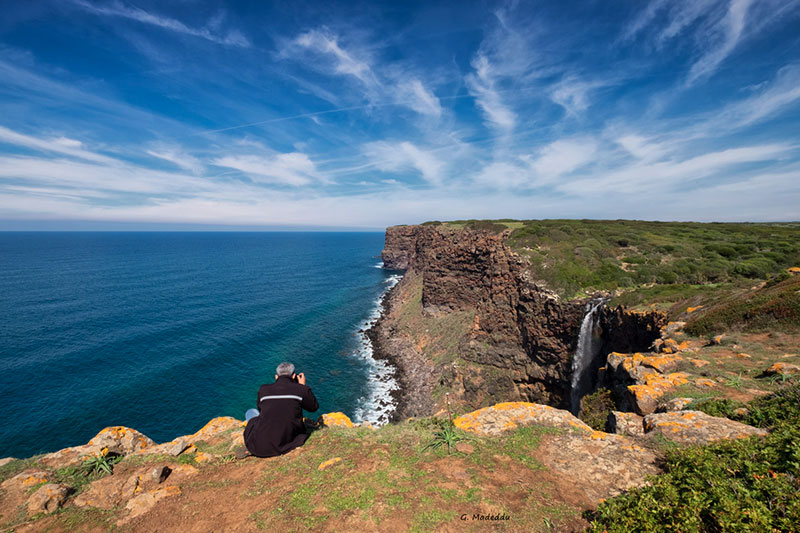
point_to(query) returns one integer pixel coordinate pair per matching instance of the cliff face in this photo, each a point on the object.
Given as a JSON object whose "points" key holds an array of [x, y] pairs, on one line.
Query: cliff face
{"points": [[486, 332]]}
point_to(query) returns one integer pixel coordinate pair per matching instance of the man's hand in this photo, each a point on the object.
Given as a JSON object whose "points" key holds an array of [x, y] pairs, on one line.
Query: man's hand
{"points": [[301, 378]]}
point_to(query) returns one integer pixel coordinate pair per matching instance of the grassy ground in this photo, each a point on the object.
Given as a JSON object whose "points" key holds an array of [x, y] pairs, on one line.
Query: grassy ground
{"points": [[386, 479]]}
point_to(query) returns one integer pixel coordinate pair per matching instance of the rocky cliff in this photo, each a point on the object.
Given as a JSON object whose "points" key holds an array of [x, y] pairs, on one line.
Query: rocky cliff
{"points": [[467, 319]]}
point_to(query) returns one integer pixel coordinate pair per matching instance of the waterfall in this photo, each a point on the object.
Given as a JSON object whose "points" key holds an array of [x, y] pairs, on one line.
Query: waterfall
{"points": [[589, 344]]}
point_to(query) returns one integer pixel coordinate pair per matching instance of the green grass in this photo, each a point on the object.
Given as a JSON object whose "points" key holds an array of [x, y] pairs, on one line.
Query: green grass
{"points": [[740, 485]]}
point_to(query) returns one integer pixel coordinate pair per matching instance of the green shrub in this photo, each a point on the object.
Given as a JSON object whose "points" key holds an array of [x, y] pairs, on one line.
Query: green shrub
{"points": [[740, 485], [595, 408]]}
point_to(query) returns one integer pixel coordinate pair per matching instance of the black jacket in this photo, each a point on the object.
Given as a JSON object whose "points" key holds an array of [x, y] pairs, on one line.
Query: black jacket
{"points": [[279, 426]]}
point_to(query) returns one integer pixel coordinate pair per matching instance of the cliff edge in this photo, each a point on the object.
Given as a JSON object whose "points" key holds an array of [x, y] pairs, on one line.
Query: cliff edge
{"points": [[467, 319]]}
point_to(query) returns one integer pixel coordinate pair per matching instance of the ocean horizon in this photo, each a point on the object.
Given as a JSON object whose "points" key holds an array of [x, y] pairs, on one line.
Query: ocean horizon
{"points": [[162, 331]]}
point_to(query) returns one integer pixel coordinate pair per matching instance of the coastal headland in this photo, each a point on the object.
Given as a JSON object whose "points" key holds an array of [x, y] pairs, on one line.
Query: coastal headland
{"points": [[547, 368]]}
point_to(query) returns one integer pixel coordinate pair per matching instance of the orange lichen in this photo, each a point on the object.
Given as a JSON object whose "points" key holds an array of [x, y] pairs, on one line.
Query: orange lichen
{"points": [[793, 270], [330, 462], [34, 480], [336, 419], [704, 382], [693, 309]]}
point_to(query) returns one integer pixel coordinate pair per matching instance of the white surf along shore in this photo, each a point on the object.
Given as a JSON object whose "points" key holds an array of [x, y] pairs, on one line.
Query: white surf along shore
{"points": [[377, 406]]}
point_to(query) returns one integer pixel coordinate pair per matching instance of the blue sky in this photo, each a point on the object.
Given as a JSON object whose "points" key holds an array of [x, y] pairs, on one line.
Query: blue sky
{"points": [[363, 115]]}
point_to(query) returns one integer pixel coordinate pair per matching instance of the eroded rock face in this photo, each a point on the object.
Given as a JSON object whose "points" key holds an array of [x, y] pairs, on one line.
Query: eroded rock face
{"points": [[522, 337], [696, 427], [400, 247], [520, 329]]}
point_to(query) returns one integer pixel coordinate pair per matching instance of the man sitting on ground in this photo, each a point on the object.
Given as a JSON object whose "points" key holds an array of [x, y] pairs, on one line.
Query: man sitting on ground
{"points": [[277, 426]]}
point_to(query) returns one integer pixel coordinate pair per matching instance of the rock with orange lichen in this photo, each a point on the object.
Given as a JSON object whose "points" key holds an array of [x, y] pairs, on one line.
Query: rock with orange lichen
{"points": [[114, 440], [601, 465], [704, 383], [696, 427], [793, 270], [675, 404], [782, 369], [25, 480], [645, 395], [623, 423], [219, 430], [337, 419], [502, 417], [699, 363], [145, 501], [48, 498], [120, 440], [667, 346], [606, 464]]}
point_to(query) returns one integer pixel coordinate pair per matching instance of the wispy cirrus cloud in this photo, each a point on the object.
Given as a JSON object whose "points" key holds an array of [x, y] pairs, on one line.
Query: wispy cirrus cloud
{"points": [[726, 34], [60, 145], [397, 156], [322, 50], [481, 84], [119, 9]]}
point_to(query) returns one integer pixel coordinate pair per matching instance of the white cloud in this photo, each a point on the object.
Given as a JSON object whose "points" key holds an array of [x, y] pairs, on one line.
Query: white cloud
{"points": [[292, 168], [481, 85], [177, 157], [782, 92], [60, 145], [504, 175], [573, 94], [727, 33], [344, 62], [562, 157], [645, 177], [393, 157], [118, 9], [641, 147], [419, 98]]}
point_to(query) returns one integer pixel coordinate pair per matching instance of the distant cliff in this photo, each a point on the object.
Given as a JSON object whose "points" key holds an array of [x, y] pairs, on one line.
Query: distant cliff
{"points": [[467, 319]]}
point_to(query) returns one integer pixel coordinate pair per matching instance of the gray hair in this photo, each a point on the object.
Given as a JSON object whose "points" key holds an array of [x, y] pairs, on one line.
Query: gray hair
{"points": [[285, 369]]}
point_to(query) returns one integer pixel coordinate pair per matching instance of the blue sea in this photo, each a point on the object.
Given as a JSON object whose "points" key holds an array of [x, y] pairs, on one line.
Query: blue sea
{"points": [[164, 331]]}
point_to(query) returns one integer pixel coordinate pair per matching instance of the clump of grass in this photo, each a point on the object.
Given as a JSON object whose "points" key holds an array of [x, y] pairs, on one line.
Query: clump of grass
{"points": [[448, 435]]}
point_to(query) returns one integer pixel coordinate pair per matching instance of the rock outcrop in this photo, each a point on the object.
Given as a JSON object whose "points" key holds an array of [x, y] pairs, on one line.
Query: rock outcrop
{"points": [[600, 464], [516, 339], [696, 427]]}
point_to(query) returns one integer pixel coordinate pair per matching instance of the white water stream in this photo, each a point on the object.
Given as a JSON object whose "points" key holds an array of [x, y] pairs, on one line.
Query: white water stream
{"points": [[589, 344]]}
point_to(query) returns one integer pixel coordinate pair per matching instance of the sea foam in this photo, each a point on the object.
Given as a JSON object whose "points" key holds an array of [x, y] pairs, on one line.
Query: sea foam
{"points": [[377, 405]]}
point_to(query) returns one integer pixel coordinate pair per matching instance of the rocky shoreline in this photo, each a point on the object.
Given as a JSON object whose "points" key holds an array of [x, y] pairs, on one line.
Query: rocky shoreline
{"points": [[414, 375]]}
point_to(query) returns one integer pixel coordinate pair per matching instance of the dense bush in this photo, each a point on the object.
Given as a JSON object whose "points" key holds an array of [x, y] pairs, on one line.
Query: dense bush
{"points": [[575, 255], [775, 307], [596, 407], [741, 485]]}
